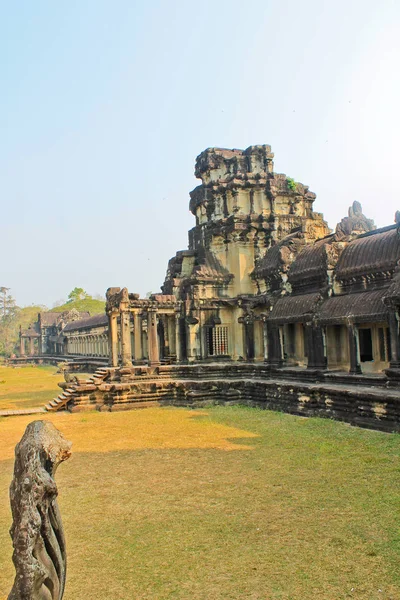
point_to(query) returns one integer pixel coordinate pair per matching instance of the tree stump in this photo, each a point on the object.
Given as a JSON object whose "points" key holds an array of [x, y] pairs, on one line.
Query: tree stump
{"points": [[37, 533]]}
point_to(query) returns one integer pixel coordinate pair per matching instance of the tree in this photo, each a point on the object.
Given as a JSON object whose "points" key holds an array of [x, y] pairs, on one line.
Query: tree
{"points": [[8, 314], [77, 294], [7, 303]]}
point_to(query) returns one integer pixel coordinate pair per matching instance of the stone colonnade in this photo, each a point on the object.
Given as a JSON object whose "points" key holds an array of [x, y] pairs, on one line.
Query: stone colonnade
{"points": [[143, 335], [88, 344], [162, 328], [318, 345]]}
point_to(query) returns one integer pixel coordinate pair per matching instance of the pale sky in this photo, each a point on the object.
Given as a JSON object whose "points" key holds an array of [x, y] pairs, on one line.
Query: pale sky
{"points": [[105, 105]]}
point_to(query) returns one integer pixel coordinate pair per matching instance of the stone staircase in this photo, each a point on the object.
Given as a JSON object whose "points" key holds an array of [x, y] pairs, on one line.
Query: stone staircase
{"points": [[76, 390]]}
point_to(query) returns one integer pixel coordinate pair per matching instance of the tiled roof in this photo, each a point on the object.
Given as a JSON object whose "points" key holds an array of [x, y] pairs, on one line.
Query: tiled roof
{"points": [[49, 318], [358, 307], [371, 253], [278, 256], [95, 321], [295, 308], [311, 263]]}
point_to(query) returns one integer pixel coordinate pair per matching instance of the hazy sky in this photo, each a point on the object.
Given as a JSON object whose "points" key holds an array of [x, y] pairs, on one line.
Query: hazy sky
{"points": [[105, 105]]}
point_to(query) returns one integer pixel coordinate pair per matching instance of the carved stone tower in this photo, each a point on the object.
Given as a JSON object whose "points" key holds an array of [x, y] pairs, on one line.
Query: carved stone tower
{"points": [[242, 208]]}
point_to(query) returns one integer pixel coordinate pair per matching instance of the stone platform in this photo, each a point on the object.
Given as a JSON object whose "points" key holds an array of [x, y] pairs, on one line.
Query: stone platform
{"points": [[358, 400]]}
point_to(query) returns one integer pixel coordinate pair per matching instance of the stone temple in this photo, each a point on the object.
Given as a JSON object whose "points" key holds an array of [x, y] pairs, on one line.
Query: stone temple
{"points": [[267, 306]]}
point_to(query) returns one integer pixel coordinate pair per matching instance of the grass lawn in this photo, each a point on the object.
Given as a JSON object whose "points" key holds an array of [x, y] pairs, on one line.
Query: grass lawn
{"points": [[28, 387], [223, 503]]}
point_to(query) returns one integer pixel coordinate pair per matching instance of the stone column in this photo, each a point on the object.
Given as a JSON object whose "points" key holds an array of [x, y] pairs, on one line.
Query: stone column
{"points": [[394, 339], [178, 338], [354, 350], [274, 346], [31, 346], [265, 337], [165, 319], [152, 337], [21, 346], [126, 350], [192, 338], [171, 334], [113, 339], [137, 332]]}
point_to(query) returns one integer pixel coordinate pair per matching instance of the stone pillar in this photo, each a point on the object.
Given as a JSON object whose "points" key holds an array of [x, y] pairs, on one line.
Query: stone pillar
{"points": [[171, 334], [178, 347], [165, 320], [394, 340], [265, 337], [126, 350], [31, 346], [152, 337], [354, 350], [137, 332], [21, 346], [192, 338], [113, 339], [274, 346]]}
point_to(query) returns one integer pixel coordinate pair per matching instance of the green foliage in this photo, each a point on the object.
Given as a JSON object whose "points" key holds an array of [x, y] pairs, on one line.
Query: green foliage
{"points": [[77, 294], [291, 183], [8, 314], [81, 301], [88, 304], [9, 327]]}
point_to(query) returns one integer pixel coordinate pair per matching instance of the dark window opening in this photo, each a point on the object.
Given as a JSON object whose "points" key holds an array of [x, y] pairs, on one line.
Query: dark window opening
{"points": [[290, 340], [365, 338], [210, 348], [338, 343]]}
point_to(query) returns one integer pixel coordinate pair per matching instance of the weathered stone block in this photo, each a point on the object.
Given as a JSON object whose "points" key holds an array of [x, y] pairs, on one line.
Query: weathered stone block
{"points": [[37, 533]]}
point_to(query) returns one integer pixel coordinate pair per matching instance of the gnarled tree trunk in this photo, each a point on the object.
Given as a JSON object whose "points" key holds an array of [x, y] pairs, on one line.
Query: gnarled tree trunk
{"points": [[38, 538]]}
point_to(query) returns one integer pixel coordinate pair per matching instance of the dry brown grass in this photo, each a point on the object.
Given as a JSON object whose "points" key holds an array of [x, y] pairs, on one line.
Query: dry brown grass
{"points": [[221, 504], [27, 387]]}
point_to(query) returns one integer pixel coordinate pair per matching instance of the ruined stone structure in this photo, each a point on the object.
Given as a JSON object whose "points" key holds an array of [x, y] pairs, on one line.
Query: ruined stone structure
{"points": [[29, 341], [45, 336], [37, 533], [265, 292], [264, 279]]}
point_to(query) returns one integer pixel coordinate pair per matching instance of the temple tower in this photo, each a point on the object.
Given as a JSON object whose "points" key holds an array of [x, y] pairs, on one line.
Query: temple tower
{"points": [[242, 208]]}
